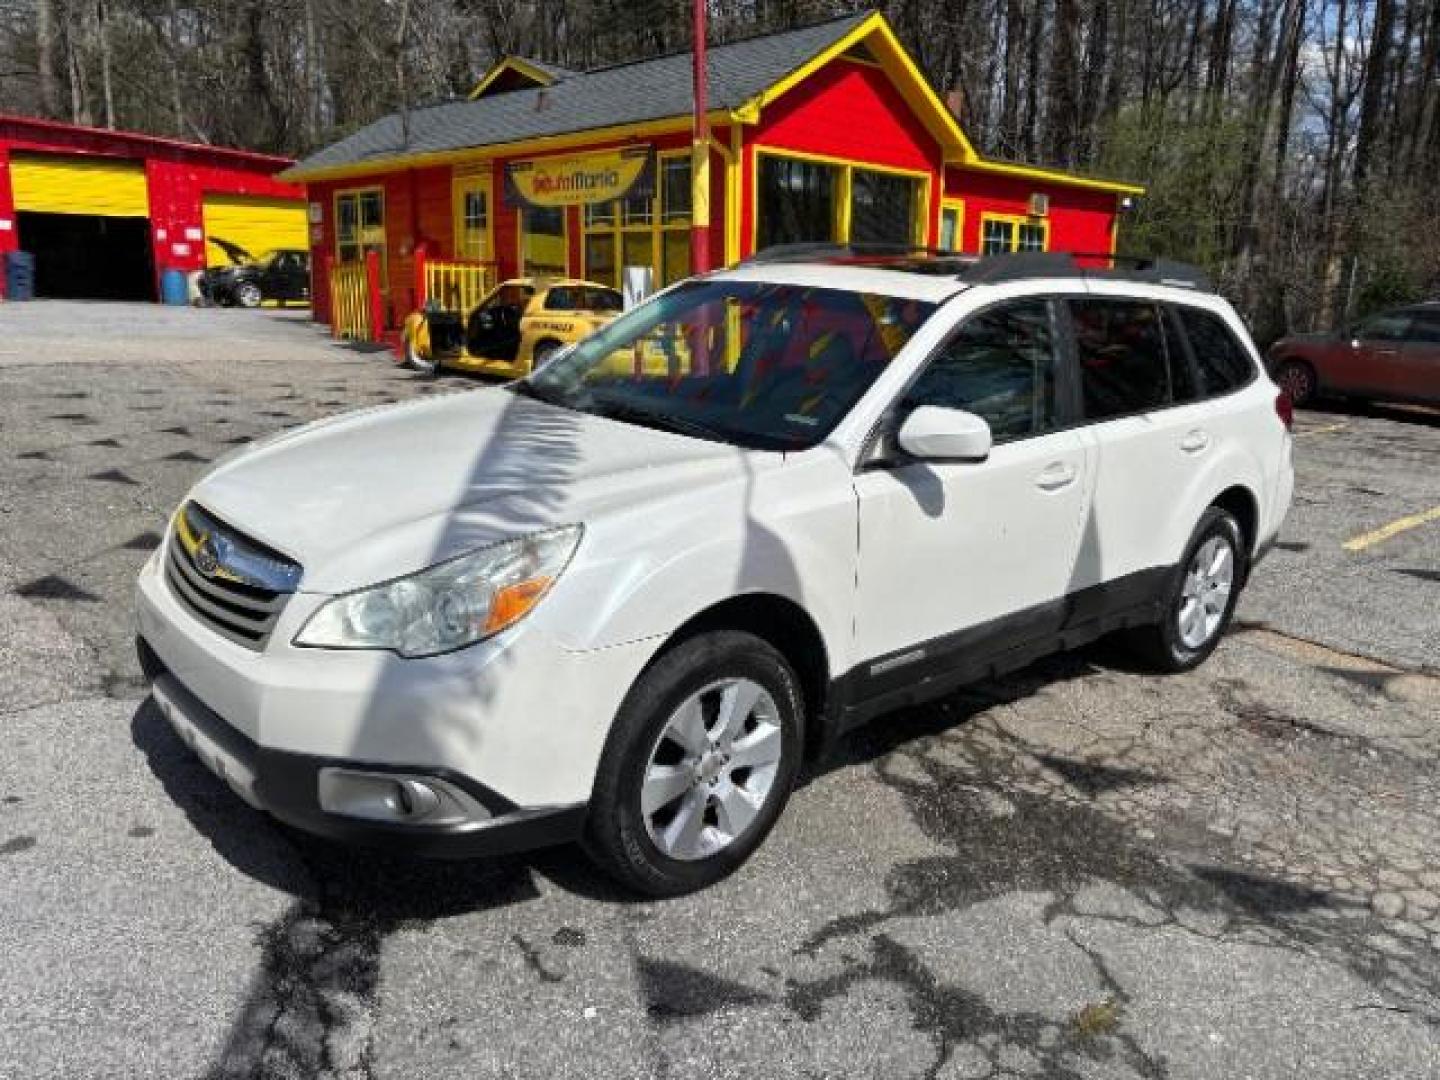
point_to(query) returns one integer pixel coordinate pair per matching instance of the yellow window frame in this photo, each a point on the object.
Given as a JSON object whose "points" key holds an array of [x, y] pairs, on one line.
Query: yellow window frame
{"points": [[957, 206], [920, 225], [466, 182], [363, 240], [1015, 220], [617, 228]]}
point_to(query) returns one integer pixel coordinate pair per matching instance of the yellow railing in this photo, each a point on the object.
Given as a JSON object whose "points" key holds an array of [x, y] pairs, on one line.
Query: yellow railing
{"points": [[456, 285], [350, 302]]}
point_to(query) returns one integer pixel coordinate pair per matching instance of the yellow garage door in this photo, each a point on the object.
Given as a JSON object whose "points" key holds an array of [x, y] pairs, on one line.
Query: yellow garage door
{"points": [[58, 184], [253, 223]]}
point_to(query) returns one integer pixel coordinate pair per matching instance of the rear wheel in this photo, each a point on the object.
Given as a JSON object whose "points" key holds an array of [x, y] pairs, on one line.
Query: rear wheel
{"points": [[1297, 379], [543, 353], [699, 765], [1200, 598], [247, 294]]}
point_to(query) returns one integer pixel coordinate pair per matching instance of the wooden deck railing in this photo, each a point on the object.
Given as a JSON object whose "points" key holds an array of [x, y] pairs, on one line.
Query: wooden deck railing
{"points": [[452, 284]]}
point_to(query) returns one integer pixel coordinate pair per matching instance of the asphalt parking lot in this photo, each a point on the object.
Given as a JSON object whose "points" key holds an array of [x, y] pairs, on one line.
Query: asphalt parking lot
{"points": [[1079, 871]]}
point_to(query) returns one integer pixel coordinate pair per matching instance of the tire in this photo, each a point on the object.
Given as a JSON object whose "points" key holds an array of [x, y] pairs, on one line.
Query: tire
{"points": [[706, 813], [1297, 378], [418, 361], [1177, 642], [543, 353], [247, 294]]}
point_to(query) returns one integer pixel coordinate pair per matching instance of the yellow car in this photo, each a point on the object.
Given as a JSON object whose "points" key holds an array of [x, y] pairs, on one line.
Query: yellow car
{"points": [[519, 326]]}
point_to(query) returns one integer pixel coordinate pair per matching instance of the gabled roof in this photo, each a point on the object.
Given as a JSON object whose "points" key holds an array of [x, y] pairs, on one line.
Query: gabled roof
{"points": [[517, 72], [632, 93]]}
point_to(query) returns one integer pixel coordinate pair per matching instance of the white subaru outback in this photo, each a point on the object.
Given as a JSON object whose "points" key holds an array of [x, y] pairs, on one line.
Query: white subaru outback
{"points": [[621, 600]]}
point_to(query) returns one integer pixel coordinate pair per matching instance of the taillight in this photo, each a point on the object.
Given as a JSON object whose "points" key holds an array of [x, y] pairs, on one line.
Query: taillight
{"points": [[1285, 409]]}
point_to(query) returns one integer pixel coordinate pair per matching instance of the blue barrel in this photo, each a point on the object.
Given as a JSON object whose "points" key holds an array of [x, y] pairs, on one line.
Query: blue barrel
{"points": [[173, 289], [19, 275]]}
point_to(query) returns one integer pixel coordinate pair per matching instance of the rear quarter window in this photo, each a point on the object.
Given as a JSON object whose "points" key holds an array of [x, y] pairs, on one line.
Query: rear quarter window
{"points": [[1221, 362], [1123, 357]]}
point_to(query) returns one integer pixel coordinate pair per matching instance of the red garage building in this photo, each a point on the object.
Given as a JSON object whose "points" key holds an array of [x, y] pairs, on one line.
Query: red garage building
{"points": [[106, 212], [824, 133]]}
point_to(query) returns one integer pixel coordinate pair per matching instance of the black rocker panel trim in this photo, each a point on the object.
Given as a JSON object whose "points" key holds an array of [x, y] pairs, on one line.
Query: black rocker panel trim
{"points": [[931, 669]]}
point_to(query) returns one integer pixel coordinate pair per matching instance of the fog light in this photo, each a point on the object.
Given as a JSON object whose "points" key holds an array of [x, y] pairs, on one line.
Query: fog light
{"points": [[396, 798]]}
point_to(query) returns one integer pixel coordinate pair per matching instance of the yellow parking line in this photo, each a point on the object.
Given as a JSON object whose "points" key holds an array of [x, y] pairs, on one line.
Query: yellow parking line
{"points": [[1385, 532], [1326, 430]]}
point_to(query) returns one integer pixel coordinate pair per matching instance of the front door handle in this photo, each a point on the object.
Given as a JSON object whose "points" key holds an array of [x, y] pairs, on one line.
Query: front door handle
{"points": [[1056, 475], [1194, 441]]}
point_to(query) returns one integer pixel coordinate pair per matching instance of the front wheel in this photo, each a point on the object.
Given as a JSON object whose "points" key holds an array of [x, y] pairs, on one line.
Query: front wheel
{"points": [[419, 360], [247, 294], [699, 765], [1200, 598]]}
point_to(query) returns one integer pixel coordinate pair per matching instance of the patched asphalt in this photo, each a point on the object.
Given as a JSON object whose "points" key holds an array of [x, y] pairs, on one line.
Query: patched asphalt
{"points": [[1079, 871]]}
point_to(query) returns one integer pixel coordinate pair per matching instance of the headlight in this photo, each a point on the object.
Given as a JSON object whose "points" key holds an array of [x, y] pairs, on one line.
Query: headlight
{"points": [[448, 606]]}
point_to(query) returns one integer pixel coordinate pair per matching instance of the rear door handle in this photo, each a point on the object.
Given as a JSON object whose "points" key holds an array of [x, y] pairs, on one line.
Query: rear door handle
{"points": [[1195, 441], [1056, 475]]}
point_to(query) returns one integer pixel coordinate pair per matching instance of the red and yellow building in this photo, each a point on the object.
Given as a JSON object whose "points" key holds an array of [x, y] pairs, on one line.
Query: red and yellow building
{"points": [[105, 213], [824, 133]]}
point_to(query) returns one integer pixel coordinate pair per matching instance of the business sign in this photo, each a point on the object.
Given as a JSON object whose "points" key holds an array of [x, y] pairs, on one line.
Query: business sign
{"points": [[595, 177]]}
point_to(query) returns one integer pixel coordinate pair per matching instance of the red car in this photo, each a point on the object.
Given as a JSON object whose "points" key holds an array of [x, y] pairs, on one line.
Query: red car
{"points": [[1392, 356]]}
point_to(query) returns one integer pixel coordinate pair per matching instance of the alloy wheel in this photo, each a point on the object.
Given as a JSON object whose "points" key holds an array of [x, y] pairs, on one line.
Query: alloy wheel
{"points": [[1205, 592], [712, 769]]}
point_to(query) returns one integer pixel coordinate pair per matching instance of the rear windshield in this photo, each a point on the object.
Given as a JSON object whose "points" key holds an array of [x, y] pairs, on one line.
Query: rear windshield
{"points": [[761, 365]]}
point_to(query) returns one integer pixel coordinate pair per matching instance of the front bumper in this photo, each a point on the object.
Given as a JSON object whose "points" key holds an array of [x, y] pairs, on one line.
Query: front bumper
{"points": [[289, 786], [511, 729]]}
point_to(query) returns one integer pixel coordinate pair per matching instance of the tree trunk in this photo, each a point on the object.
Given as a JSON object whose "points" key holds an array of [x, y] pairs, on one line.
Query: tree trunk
{"points": [[49, 87], [102, 39]]}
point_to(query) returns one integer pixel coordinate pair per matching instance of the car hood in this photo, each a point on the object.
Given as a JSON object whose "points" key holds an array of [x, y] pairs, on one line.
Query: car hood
{"points": [[368, 496]]}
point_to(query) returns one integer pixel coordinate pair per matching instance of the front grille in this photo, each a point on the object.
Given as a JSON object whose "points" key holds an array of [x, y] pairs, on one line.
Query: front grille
{"points": [[238, 588]]}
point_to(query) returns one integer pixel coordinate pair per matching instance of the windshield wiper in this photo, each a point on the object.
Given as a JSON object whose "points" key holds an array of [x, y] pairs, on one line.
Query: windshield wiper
{"points": [[633, 414]]}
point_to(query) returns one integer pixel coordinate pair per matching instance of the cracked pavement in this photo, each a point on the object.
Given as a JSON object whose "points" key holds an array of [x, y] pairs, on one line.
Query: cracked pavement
{"points": [[1078, 871]]}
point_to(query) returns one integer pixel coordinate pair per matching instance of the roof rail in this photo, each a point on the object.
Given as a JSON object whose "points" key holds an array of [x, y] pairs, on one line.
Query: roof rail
{"points": [[819, 250], [993, 269]]}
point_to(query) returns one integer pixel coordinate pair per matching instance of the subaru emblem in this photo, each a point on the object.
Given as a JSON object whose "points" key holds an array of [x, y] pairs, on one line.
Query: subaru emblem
{"points": [[205, 559]]}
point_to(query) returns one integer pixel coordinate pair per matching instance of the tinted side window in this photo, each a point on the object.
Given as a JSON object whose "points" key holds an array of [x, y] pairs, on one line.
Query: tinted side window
{"points": [[1000, 365], [1120, 346], [604, 300], [562, 299], [1426, 328], [1387, 326], [1182, 372], [1223, 363]]}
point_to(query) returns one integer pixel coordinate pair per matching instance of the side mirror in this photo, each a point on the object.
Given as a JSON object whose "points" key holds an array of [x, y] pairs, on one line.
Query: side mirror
{"points": [[932, 433]]}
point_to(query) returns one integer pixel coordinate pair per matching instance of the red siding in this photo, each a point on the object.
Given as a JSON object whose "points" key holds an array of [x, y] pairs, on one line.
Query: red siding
{"points": [[850, 110], [1081, 219]]}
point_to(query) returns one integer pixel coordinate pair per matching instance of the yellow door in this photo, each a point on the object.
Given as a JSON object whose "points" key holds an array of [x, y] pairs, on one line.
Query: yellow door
{"points": [[254, 223], [59, 184], [472, 216]]}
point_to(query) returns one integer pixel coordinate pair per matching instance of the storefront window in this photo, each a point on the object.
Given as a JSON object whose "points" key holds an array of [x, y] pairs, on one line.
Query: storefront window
{"points": [[1001, 234], [797, 201], [542, 242], [882, 208], [646, 230], [801, 201]]}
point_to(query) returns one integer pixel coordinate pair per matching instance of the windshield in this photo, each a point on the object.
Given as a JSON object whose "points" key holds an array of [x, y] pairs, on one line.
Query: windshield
{"points": [[760, 365]]}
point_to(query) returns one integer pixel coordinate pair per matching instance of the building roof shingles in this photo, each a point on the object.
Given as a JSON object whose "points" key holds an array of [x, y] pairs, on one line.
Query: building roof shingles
{"points": [[630, 93]]}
